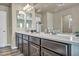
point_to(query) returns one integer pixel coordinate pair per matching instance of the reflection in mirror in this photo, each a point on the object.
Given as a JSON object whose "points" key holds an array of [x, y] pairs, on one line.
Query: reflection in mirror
{"points": [[67, 24], [28, 22], [24, 20], [38, 23], [20, 19]]}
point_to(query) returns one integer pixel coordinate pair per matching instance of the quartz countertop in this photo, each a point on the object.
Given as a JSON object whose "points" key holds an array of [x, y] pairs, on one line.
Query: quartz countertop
{"points": [[65, 38]]}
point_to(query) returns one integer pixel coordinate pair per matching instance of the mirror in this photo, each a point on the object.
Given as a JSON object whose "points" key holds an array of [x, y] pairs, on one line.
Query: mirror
{"points": [[24, 20], [20, 19], [38, 23], [28, 22], [67, 24]]}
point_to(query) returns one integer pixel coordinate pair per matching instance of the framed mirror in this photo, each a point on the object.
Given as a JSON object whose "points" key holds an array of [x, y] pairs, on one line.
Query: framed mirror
{"points": [[20, 19], [28, 21], [24, 20]]}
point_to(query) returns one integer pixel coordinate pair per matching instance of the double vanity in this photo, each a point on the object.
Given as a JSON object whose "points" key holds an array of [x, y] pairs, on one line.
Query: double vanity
{"points": [[44, 44]]}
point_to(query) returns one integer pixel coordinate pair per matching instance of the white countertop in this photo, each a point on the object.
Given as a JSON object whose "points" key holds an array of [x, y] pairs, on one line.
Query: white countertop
{"points": [[65, 38]]}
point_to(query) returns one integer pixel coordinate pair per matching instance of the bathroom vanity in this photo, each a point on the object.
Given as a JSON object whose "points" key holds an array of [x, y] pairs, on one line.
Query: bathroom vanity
{"points": [[42, 44]]}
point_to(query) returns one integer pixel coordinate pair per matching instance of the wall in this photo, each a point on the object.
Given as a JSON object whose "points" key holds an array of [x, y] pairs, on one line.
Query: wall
{"points": [[43, 21], [47, 21], [15, 7], [50, 21], [71, 11]]}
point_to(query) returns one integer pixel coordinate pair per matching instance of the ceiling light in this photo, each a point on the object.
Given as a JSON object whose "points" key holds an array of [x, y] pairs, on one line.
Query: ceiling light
{"points": [[60, 4], [21, 12]]}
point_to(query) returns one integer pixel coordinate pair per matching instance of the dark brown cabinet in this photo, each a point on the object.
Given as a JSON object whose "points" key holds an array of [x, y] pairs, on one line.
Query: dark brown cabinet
{"points": [[45, 52], [35, 46], [58, 47], [20, 44], [34, 40], [34, 50], [25, 47], [25, 37], [17, 40]]}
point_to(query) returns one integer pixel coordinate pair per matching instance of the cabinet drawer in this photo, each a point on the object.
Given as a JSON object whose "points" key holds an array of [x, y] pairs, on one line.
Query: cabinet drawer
{"points": [[20, 44], [20, 40], [25, 47], [25, 37], [46, 52], [35, 40], [34, 50], [55, 46], [17, 41]]}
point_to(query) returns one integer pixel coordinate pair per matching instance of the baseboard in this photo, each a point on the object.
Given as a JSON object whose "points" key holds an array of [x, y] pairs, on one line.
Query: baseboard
{"points": [[13, 47]]}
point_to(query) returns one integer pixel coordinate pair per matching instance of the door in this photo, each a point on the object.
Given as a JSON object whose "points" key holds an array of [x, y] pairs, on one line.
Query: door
{"points": [[3, 28]]}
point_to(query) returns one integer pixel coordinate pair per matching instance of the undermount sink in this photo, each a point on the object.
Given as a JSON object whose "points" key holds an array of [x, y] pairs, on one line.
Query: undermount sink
{"points": [[66, 35]]}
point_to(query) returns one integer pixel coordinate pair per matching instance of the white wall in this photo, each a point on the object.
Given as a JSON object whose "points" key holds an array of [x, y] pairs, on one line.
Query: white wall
{"points": [[47, 20], [13, 45], [15, 7], [43, 21], [50, 21], [72, 11]]}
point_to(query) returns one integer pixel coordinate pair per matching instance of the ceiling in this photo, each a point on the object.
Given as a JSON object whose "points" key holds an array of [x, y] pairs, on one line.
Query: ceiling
{"points": [[5, 4], [42, 7], [53, 7]]}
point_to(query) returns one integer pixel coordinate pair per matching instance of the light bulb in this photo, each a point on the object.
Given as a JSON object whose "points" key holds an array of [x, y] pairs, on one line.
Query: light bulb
{"points": [[27, 6], [27, 25]]}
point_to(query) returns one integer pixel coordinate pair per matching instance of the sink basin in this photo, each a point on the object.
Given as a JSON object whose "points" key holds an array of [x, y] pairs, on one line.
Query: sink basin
{"points": [[67, 35]]}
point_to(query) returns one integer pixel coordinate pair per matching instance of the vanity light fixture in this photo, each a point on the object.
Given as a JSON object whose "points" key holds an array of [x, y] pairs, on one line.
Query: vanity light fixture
{"points": [[28, 7], [21, 12]]}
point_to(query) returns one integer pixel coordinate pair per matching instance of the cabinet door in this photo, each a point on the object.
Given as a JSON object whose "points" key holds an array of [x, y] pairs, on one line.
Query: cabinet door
{"points": [[35, 40], [45, 52], [17, 40], [25, 37], [34, 50], [20, 44], [25, 47], [56, 46]]}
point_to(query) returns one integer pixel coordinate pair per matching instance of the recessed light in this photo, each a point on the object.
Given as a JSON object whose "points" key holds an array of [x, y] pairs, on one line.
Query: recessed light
{"points": [[60, 4]]}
